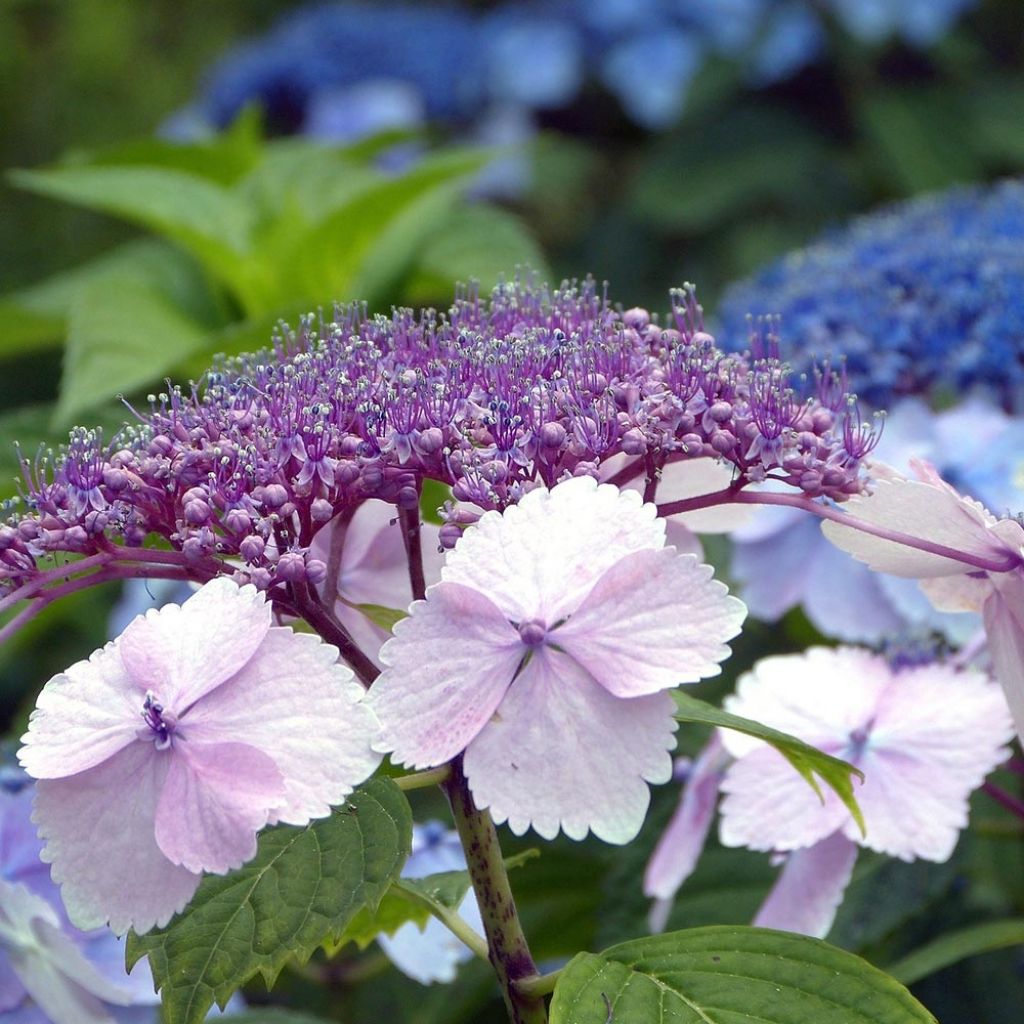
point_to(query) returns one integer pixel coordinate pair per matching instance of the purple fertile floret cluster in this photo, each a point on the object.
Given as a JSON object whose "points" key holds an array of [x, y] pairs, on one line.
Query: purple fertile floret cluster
{"points": [[527, 387]]}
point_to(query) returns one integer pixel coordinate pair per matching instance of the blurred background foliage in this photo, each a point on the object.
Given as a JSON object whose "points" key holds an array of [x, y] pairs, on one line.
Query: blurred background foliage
{"points": [[647, 143]]}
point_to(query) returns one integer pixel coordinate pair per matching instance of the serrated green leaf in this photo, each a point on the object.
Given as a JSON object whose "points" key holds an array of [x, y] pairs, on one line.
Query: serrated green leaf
{"points": [[730, 975], [956, 946], [121, 336], [807, 760], [303, 887], [205, 218]]}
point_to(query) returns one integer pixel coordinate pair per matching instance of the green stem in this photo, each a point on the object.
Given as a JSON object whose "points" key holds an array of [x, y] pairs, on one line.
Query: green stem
{"points": [[507, 949], [538, 985], [421, 780], [454, 922]]}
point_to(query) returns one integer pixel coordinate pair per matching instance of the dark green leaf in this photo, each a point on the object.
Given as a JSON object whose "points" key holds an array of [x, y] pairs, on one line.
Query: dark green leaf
{"points": [[807, 760], [730, 975], [955, 946], [303, 887], [274, 1016]]}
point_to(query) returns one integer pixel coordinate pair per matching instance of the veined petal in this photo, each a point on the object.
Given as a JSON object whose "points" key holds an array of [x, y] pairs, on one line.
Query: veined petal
{"points": [[295, 703], [769, 806], [653, 620], [1003, 612], [181, 652], [448, 667], [682, 842], [562, 753], [924, 510], [692, 478], [215, 799], [538, 559], [99, 830], [810, 887], [82, 717]]}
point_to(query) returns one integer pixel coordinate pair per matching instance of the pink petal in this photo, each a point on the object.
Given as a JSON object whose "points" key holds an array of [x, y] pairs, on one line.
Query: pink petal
{"points": [[82, 717], [957, 593], [1004, 627], [448, 666], [99, 832], [181, 652], [296, 704], [691, 478], [216, 798], [540, 558], [563, 753], [820, 696], [769, 806], [653, 620], [682, 843], [924, 510], [810, 887]]}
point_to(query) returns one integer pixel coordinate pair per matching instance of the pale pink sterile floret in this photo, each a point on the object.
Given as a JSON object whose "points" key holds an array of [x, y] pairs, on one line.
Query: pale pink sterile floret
{"points": [[367, 564], [988, 576], [924, 736], [164, 754], [545, 654]]}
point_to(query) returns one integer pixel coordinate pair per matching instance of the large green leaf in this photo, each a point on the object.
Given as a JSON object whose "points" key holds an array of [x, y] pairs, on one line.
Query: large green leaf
{"points": [[807, 760], [302, 888], [730, 975], [210, 221], [121, 336], [955, 946], [23, 329], [479, 242]]}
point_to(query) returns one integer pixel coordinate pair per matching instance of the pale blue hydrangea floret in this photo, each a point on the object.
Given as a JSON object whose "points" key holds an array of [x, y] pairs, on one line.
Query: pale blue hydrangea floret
{"points": [[922, 298]]}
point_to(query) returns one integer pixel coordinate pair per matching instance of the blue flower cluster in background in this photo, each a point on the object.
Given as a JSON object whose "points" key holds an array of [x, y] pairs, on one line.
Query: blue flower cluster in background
{"points": [[926, 297], [346, 70]]}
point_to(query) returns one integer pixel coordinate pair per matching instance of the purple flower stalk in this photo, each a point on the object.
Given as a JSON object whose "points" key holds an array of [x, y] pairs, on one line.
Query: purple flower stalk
{"points": [[497, 396]]}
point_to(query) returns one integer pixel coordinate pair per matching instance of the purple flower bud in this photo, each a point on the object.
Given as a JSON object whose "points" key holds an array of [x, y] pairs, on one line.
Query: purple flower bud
{"points": [[634, 442], [408, 498], [449, 535], [291, 567], [261, 578], [197, 513], [115, 479], [723, 441], [552, 435], [251, 549], [274, 496], [430, 441], [316, 571], [193, 549], [693, 445], [637, 318], [237, 521], [321, 511]]}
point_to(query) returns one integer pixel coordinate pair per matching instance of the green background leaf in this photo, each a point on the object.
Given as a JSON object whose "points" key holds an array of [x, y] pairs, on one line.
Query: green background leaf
{"points": [[955, 946]]}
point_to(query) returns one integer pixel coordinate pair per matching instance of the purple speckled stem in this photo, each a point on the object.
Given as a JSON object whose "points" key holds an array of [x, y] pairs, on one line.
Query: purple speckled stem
{"points": [[730, 496], [506, 944]]}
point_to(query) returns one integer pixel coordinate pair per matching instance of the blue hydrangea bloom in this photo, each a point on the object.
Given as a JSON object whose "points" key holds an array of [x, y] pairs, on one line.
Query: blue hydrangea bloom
{"points": [[926, 297], [535, 53]]}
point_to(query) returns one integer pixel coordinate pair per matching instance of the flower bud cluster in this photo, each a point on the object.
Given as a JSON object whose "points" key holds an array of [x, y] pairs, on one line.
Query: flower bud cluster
{"points": [[497, 396]]}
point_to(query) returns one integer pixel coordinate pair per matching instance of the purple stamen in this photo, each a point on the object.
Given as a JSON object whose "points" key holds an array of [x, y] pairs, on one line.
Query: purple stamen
{"points": [[161, 722]]}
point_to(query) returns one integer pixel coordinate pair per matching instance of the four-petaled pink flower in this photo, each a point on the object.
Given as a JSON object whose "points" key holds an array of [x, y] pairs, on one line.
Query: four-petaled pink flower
{"points": [[988, 577], [165, 753], [924, 736], [544, 654]]}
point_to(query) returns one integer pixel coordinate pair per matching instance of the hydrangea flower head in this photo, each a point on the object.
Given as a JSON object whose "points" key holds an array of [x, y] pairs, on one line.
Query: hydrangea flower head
{"points": [[925, 736], [544, 656], [165, 753], [921, 298]]}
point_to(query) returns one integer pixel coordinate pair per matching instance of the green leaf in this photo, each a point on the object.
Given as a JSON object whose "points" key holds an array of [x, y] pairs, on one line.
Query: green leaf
{"points": [[413, 900], [303, 887], [121, 336], [23, 329], [807, 760], [956, 946], [730, 975], [274, 1016], [480, 243], [205, 218], [380, 616]]}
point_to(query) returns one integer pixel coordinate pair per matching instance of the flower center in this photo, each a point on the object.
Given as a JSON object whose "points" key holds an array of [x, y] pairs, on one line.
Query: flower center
{"points": [[533, 632], [160, 721]]}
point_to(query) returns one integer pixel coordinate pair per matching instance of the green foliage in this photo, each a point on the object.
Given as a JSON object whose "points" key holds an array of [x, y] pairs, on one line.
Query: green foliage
{"points": [[274, 1017], [955, 946], [303, 888], [729, 974], [811, 763]]}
